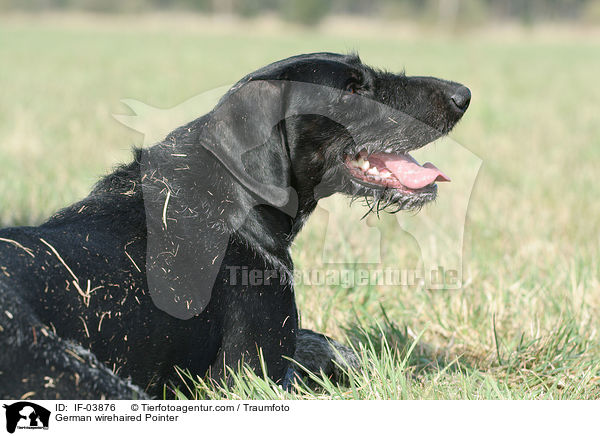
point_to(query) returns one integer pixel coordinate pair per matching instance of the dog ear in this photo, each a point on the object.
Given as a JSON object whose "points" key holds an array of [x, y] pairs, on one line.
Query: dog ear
{"points": [[190, 214], [244, 132], [186, 235]]}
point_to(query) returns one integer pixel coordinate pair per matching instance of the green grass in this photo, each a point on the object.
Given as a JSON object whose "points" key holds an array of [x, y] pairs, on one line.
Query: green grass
{"points": [[525, 325]]}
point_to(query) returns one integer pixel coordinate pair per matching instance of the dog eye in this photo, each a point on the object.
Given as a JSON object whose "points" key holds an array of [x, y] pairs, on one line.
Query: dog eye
{"points": [[352, 87]]}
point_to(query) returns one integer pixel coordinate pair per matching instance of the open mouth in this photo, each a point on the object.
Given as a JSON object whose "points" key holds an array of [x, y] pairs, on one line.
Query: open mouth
{"points": [[398, 171]]}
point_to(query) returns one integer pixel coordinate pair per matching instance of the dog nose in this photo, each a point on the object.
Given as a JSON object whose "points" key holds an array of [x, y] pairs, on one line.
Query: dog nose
{"points": [[462, 98]]}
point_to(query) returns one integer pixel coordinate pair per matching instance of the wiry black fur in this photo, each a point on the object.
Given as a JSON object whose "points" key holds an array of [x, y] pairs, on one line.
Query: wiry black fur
{"points": [[77, 317]]}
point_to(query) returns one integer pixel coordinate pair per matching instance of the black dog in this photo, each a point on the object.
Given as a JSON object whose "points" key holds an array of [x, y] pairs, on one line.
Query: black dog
{"points": [[181, 258]]}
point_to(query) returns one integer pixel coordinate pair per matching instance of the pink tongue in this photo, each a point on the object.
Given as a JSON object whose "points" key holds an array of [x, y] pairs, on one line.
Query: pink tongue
{"points": [[409, 172]]}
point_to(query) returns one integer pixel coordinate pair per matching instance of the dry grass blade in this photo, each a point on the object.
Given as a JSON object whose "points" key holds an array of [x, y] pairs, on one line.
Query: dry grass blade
{"points": [[29, 251]]}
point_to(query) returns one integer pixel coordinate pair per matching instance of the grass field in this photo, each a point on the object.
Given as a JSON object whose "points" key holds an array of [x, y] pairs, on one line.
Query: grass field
{"points": [[526, 323]]}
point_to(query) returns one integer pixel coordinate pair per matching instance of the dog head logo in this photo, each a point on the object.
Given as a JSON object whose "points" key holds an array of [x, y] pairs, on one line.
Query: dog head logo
{"points": [[214, 171], [26, 415]]}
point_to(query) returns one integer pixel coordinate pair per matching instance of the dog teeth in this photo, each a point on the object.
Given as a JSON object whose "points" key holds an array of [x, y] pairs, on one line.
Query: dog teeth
{"points": [[385, 174], [365, 166]]}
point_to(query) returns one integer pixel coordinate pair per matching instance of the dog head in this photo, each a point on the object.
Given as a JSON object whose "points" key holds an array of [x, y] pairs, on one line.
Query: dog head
{"points": [[324, 123]]}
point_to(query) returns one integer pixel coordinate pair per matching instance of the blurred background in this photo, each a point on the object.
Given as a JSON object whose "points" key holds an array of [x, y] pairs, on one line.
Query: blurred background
{"points": [[311, 12], [525, 323]]}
